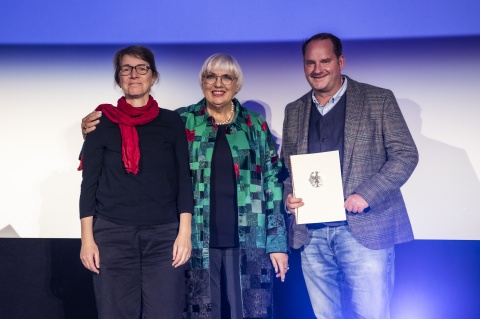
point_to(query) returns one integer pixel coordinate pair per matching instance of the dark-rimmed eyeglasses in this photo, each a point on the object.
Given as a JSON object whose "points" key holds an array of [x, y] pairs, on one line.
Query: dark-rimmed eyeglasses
{"points": [[141, 69], [226, 79]]}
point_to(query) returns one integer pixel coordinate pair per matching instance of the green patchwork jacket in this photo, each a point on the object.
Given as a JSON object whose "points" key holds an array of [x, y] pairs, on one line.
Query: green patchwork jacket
{"points": [[261, 222]]}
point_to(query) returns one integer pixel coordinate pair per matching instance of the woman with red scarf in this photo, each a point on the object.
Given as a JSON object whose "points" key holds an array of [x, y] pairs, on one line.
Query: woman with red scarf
{"points": [[136, 199]]}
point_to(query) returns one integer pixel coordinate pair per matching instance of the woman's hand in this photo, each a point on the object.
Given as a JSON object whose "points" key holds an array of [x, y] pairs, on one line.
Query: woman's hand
{"points": [[280, 264], [182, 248], [90, 256], [89, 122], [89, 253]]}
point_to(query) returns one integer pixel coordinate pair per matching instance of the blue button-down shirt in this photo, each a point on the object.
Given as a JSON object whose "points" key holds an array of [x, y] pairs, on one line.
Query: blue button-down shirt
{"points": [[324, 109]]}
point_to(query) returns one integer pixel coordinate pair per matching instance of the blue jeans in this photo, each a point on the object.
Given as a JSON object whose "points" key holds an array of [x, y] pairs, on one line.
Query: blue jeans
{"points": [[345, 279]]}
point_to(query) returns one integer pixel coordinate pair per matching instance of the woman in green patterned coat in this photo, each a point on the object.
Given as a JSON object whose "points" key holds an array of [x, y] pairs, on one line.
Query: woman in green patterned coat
{"points": [[238, 228], [239, 237]]}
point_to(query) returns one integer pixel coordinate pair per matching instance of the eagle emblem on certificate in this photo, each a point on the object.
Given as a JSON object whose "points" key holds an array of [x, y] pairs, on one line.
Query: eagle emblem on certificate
{"points": [[316, 179]]}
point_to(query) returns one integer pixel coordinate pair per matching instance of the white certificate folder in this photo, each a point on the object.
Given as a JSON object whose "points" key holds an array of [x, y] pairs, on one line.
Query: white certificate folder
{"points": [[317, 180]]}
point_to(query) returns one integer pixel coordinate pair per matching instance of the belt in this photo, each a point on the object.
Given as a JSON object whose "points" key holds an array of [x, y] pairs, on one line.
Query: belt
{"points": [[329, 224]]}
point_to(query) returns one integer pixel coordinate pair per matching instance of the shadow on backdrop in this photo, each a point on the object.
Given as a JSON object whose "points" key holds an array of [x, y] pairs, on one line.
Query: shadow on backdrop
{"points": [[441, 195]]}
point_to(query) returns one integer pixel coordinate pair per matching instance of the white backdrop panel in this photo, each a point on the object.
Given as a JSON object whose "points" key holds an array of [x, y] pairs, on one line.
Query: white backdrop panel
{"points": [[46, 90]]}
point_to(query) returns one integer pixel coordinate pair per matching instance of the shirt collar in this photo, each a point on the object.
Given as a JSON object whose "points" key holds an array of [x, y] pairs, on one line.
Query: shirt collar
{"points": [[323, 109]]}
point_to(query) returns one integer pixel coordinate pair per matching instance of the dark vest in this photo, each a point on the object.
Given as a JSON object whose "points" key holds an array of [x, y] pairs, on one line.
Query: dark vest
{"points": [[326, 133]]}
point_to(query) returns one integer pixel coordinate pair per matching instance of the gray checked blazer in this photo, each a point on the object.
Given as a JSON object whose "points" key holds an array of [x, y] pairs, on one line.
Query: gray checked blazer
{"points": [[379, 157]]}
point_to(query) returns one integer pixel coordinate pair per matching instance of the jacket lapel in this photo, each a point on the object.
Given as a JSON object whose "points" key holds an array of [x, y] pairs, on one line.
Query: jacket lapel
{"points": [[353, 116], [303, 122]]}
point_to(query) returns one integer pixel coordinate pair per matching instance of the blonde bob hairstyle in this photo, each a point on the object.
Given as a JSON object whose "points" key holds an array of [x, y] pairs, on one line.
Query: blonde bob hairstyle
{"points": [[223, 62]]}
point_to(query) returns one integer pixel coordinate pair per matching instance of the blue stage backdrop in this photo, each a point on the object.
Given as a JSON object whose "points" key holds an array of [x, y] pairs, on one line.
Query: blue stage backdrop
{"points": [[209, 21]]}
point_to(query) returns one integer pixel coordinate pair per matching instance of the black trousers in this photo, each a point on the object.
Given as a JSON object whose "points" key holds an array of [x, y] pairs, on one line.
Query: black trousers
{"points": [[225, 282], [137, 279]]}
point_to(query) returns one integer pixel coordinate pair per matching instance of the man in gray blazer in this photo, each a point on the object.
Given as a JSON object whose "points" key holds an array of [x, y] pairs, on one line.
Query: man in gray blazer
{"points": [[348, 266]]}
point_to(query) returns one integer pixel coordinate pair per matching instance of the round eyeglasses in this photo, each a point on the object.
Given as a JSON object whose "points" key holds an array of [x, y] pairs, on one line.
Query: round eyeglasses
{"points": [[141, 69], [226, 79]]}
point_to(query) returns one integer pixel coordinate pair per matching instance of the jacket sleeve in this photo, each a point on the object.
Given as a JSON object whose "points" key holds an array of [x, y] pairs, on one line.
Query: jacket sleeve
{"points": [[272, 188], [286, 151], [396, 160]]}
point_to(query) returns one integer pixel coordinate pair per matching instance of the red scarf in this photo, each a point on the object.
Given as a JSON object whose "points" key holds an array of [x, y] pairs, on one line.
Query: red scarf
{"points": [[127, 117]]}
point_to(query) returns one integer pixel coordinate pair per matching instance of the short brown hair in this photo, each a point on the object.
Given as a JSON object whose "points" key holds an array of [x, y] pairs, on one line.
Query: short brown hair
{"points": [[136, 51], [337, 44]]}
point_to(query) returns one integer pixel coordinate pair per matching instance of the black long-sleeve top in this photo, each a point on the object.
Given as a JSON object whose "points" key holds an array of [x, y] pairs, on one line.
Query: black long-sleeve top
{"points": [[157, 194], [223, 195]]}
